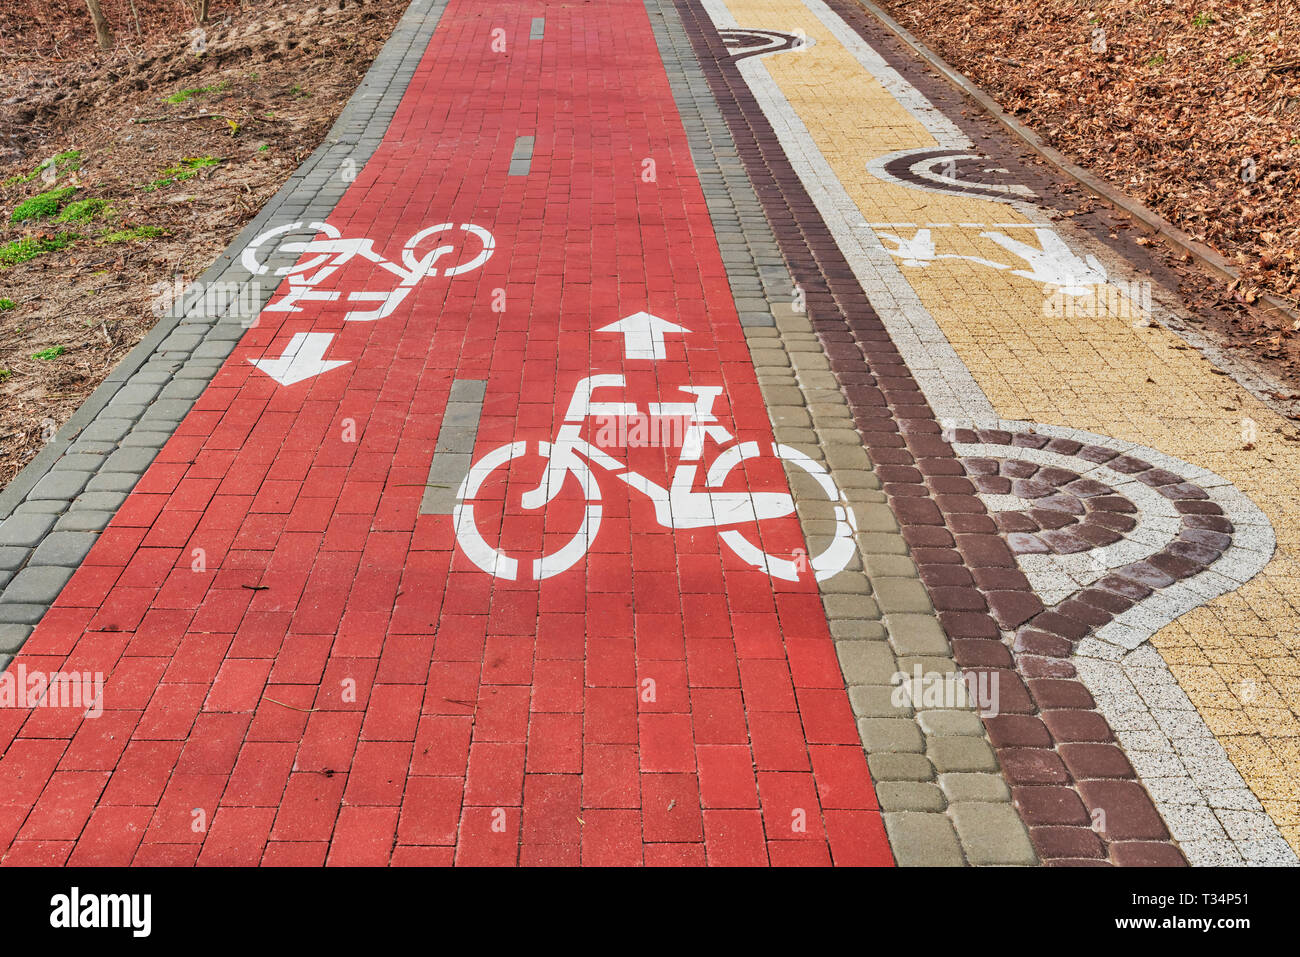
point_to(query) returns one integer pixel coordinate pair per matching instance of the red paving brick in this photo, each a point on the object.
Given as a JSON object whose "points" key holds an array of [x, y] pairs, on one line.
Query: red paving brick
{"points": [[338, 683]]}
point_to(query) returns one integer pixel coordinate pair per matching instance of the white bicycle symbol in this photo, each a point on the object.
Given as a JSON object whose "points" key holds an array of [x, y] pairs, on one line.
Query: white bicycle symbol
{"points": [[334, 252], [678, 506]]}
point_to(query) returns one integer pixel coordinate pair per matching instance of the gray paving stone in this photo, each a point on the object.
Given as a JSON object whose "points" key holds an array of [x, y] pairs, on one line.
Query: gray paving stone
{"points": [[992, 834], [851, 606], [84, 520], [916, 634], [891, 735], [12, 637], [133, 460], [15, 613], [25, 529], [939, 722], [923, 839], [101, 501], [910, 796], [36, 585], [961, 753], [112, 482], [866, 662], [67, 549], [60, 484], [876, 701], [974, 786], [895, 595], [900, 766]]}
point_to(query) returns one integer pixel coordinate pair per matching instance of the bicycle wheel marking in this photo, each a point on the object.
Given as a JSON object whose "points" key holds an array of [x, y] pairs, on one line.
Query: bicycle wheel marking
{"points": [[678, 504], [323, 262]]}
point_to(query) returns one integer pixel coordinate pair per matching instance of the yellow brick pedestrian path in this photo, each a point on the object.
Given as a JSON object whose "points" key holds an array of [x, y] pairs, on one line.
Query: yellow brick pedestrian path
{"points": [[1080, 354]]}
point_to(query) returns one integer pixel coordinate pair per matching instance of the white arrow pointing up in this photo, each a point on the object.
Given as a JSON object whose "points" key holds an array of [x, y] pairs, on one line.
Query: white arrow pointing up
{"points": [[303, 358], [643, 335]]}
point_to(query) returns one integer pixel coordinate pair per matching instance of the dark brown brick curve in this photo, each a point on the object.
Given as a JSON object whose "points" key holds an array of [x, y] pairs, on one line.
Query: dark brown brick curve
{"points": [[1049, 738]]}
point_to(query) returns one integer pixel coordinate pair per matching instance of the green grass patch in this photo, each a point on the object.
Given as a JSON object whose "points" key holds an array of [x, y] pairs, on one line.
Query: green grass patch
{"points": [[21, 250], [64, 162], [187, 168], [43, 205], [45, 355], [1157, 60], [131, 235], [83, 211], [4, 374], [1239, 59], [1202, 19], [189, 93], [7, 304]]}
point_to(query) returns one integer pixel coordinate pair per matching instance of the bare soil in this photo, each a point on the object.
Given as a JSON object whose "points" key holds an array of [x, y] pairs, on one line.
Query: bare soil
{"points": [[183, 135]]}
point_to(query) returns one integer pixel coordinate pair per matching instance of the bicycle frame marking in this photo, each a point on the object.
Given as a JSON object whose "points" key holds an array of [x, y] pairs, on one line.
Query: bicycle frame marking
{"points": [[676, 506], [303, 358]]}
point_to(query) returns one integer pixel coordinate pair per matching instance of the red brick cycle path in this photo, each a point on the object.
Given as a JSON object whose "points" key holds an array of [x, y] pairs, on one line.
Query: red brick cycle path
{"points": [[337, 683]]}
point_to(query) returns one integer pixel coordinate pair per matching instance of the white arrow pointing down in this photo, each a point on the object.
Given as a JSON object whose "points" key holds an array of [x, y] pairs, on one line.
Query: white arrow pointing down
{"points": [[303, 358], [643, 335]]}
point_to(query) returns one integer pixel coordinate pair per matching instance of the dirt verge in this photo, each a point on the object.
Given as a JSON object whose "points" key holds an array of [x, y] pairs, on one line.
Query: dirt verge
{"points": [[129, 172]]}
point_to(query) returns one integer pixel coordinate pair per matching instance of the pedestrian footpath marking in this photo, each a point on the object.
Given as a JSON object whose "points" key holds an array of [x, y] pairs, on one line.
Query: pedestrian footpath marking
{"points": [[962, 362], [276, 562]]}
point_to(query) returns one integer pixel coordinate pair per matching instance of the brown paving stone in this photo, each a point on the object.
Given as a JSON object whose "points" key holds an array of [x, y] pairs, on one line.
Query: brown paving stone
{"points": [[1018, 731], [1129, 813], [1033, 766], [1146, 854], [1094, 760], [1076, 725], [1064, 843], [1051, 805]]}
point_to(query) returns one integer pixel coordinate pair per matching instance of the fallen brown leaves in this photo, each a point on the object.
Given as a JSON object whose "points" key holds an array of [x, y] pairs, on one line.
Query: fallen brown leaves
{"points": [[1190, 106]]}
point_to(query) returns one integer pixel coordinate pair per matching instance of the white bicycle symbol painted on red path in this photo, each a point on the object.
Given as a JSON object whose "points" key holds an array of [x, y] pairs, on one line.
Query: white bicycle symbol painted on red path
{"points": [[677, 505], [456, 249], [334, 252]]}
